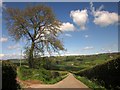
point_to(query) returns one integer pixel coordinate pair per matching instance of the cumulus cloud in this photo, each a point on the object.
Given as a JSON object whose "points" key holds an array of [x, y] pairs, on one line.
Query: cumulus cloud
{"points": [[68, 35], [88, 48], [3, 39], [67, 27], [80, 18], [16, 46], [103, 18]]}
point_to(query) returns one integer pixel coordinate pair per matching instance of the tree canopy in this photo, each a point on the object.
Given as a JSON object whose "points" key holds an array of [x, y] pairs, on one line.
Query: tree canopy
{"points": [[38, 25]]}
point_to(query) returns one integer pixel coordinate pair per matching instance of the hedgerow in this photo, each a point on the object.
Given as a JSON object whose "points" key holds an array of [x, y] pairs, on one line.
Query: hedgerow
{"points": [[107, 74], [9, 76]]}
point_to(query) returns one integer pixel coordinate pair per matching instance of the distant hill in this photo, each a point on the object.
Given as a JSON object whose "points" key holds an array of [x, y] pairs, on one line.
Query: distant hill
{"points": [[75, 63], [70, 63]]}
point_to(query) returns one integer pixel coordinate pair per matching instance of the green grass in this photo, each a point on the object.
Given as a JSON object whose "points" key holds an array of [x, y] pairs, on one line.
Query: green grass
{"points": [[53, 81], [107, 74], [90, 84], [71, 63], [77, 63], [46, 76]]}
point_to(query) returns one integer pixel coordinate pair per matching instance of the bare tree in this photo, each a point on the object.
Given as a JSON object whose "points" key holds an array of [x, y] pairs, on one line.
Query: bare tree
{"points": [[38, 25]]}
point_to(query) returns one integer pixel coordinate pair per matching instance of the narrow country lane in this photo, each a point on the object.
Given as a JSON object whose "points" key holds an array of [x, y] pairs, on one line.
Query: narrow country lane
{"points": [[69, 82]]}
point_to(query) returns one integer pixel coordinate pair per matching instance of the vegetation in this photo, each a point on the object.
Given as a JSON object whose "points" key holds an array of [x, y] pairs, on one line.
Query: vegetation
{"points": [[107, 74], [96, 71], [38, 25], [46, 76], [73, 63], [90, 84], [9, 76], [40, 28]]}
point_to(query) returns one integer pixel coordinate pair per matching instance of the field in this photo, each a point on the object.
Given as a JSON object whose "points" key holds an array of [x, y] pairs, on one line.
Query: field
{"points": [[52, 69], [70, 63]]}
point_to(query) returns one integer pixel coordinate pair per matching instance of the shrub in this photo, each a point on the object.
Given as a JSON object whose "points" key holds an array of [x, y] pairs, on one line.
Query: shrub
{"points": [[42, 74], [9, 76], [55, 74], [25, 73]]}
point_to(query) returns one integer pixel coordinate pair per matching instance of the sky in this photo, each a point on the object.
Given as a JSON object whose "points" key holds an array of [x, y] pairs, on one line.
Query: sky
{"points": [[88, 28]]}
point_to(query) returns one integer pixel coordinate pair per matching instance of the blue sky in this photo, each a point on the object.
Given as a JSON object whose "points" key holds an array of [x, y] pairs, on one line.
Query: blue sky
{"points": [[88, 28]]}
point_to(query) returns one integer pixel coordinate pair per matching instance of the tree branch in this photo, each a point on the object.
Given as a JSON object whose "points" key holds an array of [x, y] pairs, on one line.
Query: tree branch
{"points": [[27, 32]]}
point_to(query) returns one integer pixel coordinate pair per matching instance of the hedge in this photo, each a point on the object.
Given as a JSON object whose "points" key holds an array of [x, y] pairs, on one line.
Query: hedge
{"points": [[107, 74], [9, 76]]}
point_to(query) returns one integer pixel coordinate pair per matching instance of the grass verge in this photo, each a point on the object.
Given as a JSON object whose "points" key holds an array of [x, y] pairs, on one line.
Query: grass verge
{"points": [[90, 84]]}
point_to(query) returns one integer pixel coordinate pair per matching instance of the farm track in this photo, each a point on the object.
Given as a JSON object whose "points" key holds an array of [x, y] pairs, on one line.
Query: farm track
{"points": [[69, 82]]}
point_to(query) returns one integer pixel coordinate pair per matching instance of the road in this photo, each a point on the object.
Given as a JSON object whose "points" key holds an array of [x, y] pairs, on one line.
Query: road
{"points": [[69, 82]]}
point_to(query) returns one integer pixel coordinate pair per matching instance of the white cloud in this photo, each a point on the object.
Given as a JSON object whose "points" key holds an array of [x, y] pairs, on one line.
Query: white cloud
{"points": [[107, 50], [86, 36], [68, 35], [1, 56], [11, 56], [68, 53], [100, 8], [88, 48], [80, 17], [103, 18], [92, 7], [113, 47], [16, 46], [3, 39], [67, 27]]}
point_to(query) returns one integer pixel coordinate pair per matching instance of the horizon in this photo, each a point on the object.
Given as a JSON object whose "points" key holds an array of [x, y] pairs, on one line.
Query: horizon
{"points": [[91, 34], [63, 56]]}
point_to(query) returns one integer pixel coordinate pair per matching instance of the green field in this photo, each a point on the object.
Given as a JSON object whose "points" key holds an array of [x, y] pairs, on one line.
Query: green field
{"points": [[52, 69], [71, 63]]}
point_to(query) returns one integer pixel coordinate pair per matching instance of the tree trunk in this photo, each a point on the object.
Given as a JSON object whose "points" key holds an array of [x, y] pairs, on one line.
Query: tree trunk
{"points": [[30, 58]]}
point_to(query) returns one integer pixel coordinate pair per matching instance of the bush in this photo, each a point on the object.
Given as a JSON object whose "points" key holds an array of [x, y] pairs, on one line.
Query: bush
{"points": [[55, 74], [25, 73], [46, 76], [39, 74], [107, 74], [9, 76]]}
